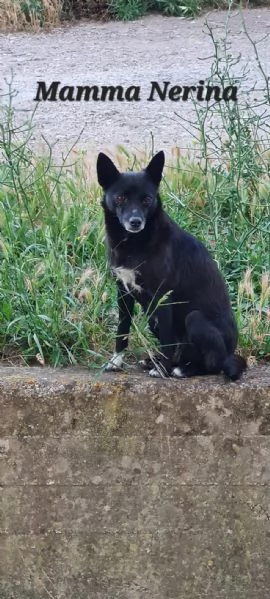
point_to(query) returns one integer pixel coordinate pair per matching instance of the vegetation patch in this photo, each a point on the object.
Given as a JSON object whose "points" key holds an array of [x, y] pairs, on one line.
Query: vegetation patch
{"points": [[58, 299], [35, 14]]}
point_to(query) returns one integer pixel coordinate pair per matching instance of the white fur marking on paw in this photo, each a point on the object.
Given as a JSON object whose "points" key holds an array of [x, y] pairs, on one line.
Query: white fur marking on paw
{"points": [[154, 372], [128, 277], [157, 373], [177, 373], [115, 362]]}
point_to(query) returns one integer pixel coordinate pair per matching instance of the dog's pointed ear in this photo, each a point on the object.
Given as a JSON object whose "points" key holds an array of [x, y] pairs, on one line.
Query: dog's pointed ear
{"points": [[155, 168], [107, 173]]}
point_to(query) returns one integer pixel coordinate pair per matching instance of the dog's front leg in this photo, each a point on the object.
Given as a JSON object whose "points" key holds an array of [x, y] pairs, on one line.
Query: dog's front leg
{"points": [[165, 320], [125, 307]]}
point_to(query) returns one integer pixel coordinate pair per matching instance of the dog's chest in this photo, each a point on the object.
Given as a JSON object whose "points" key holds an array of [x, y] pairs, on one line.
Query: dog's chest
{"points": [[138, 274], [129, 277], [128, 269]]}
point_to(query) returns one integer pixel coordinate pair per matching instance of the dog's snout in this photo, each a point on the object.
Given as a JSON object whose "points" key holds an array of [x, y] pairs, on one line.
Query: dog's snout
{"points": [[135, 222]]}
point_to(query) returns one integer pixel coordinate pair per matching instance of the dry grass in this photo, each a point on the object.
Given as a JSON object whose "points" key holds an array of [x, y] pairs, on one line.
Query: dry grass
{"points": [[16, 15]]}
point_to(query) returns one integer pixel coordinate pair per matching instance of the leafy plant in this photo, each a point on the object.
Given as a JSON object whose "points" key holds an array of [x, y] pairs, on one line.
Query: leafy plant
{"points": [[178, 8], [33, 10], [128, 10]]}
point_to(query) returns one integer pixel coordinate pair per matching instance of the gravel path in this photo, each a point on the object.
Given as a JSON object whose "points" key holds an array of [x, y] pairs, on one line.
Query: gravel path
{"points": [[152, 49]]}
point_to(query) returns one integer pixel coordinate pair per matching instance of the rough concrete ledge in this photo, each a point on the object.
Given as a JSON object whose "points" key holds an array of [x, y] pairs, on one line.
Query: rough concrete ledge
{"points": [[125, 487]]}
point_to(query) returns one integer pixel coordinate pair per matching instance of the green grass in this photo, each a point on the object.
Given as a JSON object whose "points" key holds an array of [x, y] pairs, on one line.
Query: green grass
{"points": [[57, 296]]}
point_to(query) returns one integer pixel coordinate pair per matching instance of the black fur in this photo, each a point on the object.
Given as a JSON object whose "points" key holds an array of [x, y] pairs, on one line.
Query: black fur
{"points": [[177, 282]]}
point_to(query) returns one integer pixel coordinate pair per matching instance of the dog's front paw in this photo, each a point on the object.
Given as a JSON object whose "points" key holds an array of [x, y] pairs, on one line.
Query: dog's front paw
{"points": [[177, 373], [115, 362], [158, 372]]}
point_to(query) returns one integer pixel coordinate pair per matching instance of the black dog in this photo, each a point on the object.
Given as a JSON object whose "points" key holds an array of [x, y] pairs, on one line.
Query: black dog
{"points": [[170, 273]]}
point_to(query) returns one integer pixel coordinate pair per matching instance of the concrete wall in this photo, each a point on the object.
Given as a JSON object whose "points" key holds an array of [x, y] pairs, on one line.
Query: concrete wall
{"points": [[126, 487]]}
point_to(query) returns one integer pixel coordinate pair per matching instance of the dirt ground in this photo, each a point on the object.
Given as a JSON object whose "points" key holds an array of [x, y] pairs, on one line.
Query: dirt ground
{"points": [[152, 49]]}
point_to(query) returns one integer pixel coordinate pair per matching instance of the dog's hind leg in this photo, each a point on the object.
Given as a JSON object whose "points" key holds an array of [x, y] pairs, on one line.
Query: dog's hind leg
{"points": [[188, 361], [125, 307], [206, 351]]}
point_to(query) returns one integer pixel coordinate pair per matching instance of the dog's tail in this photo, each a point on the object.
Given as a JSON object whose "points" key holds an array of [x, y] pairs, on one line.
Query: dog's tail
{"points": [[234, 366]]}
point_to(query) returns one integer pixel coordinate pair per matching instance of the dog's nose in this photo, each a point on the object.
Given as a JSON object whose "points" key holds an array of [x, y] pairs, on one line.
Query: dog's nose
{"points": [[135, 222]]}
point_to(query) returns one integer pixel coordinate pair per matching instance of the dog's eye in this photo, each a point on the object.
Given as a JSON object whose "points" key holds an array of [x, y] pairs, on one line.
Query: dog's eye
{"points": [[120, 200], [146, 200]]}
